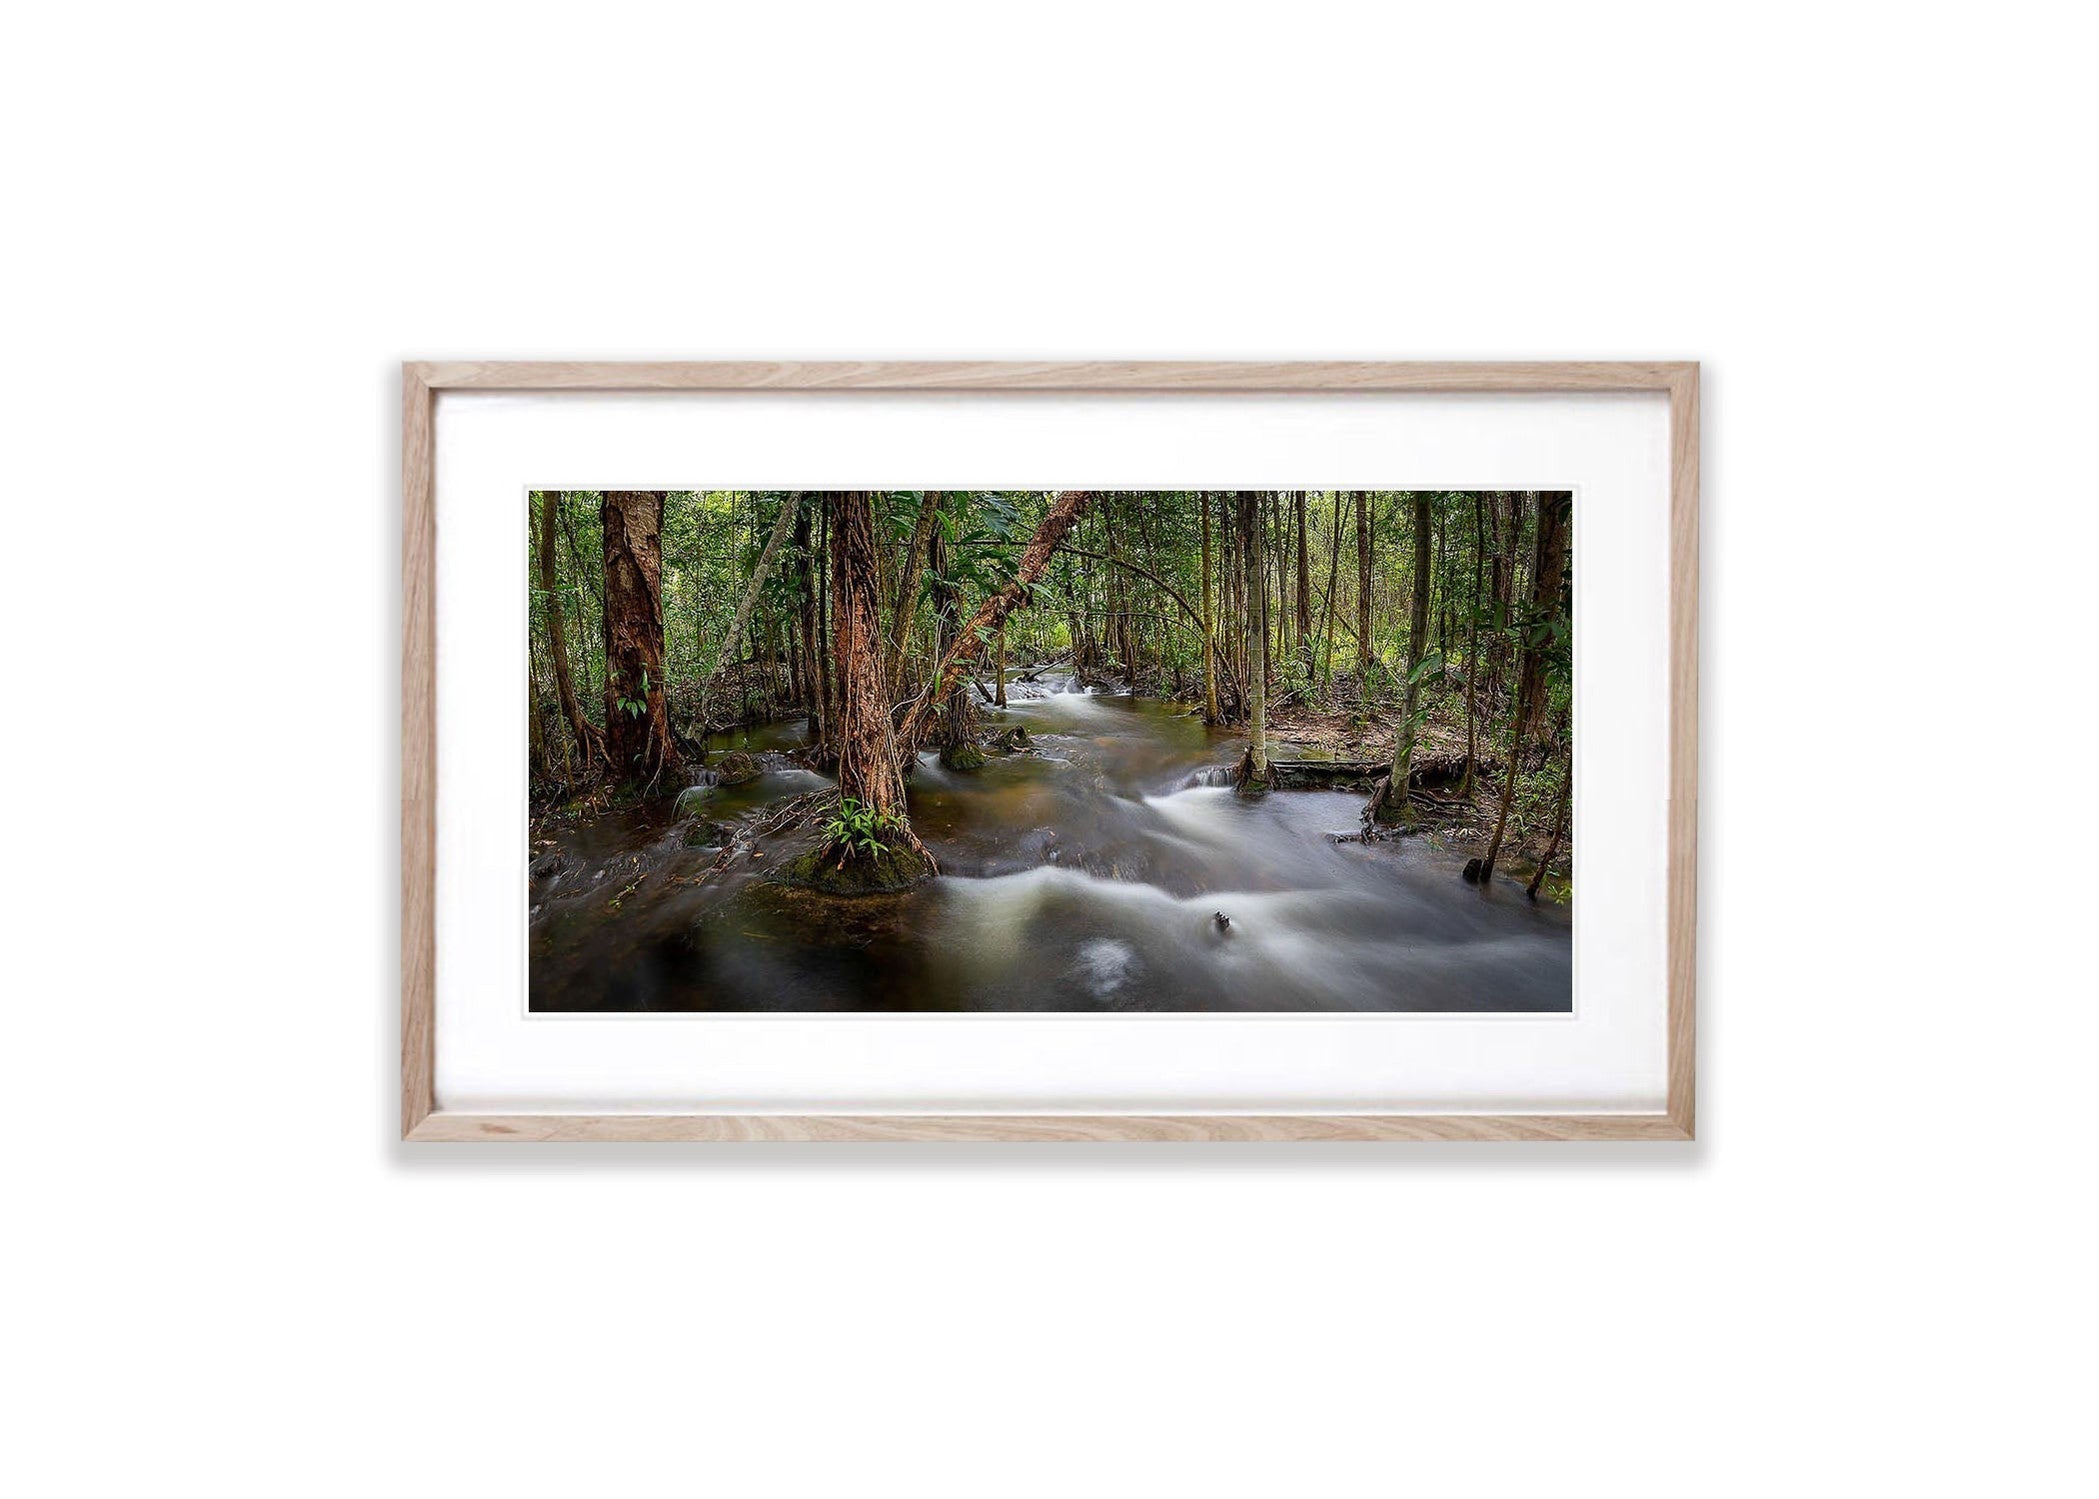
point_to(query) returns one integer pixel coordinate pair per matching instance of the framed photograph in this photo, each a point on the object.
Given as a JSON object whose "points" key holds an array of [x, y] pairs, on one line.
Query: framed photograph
{"points": [[1135, 751]]}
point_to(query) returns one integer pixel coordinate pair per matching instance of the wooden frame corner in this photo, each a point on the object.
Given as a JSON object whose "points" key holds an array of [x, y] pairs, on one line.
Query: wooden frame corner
{"points": [[421, 383]]}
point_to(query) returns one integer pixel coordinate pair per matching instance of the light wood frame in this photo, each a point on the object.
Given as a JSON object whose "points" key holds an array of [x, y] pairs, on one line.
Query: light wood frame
{"points": [[420, 385]]}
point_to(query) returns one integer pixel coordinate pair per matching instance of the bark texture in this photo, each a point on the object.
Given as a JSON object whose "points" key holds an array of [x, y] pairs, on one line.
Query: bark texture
{"points": [[638, 732], [867, 762]]}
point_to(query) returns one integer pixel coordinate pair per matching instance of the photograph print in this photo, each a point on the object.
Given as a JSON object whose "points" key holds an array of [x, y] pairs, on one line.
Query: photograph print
{"points": [[1099, 752]]}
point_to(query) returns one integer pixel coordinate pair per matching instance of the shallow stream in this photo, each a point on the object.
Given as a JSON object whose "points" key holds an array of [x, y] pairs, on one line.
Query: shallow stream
{"points": [[1085, 875]]}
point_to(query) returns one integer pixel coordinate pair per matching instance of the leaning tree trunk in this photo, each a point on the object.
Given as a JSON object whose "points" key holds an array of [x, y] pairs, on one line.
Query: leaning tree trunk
{"points": [[1254, 775], [789, 508], [1064, 511], [638, 732], [590, 744], [1392, 804]]}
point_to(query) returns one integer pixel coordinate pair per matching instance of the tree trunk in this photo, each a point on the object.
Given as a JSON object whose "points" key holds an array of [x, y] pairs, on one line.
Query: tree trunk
{"points": [[908, 586], [1394, 806], [870, 785], [1363, 586], [590, 744], [1000, 697], [594, 583], [1063, 511], [1333, 581], [1472, 649], [1559, 828], [1231, 584], [1252, 523], [958, 721], [1547, 602], [638, 732], [867, 766], [1484, 873], [538, 756], [1304, 581], [1517, 715], [1507, 516], [810, 597], [789, 509], [1275, 595], [1209, 622]]}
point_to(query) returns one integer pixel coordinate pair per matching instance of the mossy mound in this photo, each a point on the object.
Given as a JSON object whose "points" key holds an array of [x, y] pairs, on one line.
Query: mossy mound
{"points": [[1012, 741], [963, 756], [859, 873], [734, 768]]}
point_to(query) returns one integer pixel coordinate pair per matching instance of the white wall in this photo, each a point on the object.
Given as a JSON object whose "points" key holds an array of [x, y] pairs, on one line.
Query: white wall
{"points": [[229, 224]]}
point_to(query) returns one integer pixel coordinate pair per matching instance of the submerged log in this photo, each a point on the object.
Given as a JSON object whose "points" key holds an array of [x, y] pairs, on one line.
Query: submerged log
{"points": [[1325, 775]]}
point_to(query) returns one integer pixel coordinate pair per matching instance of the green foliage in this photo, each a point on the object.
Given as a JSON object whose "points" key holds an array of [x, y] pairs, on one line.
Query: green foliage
{"points": [[633, 707], [859, 830]]}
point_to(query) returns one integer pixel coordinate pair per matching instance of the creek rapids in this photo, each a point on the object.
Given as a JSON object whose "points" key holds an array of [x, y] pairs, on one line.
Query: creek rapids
{"points": [[1085, 875]]}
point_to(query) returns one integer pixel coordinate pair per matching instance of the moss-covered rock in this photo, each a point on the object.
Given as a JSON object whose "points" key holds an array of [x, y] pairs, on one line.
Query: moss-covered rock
{"points": [[734, 768], [963, 756], [704, 834], [858, 873]]}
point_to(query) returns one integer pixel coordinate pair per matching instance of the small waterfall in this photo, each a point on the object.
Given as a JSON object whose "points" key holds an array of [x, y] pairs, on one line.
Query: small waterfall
{"points": [[1215, 775]]}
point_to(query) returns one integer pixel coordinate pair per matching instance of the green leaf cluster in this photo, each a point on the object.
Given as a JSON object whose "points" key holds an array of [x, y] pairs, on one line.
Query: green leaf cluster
{"points": [[859, 829]]}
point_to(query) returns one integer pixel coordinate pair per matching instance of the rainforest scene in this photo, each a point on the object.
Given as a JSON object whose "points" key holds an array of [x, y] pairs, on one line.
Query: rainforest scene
{"points": [[1078, 751]]}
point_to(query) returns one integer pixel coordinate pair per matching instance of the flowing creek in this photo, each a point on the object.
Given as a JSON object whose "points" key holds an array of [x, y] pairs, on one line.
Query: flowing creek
{"points": [[1086, 875]]}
